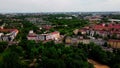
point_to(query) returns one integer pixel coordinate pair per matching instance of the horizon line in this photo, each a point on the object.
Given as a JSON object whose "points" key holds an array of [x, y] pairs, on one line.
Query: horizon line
{"points": [[60, 12]]}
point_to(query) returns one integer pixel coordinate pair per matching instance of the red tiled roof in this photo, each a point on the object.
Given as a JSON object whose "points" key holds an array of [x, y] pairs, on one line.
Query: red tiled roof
{"points": [[8, 30], [108, 27]]}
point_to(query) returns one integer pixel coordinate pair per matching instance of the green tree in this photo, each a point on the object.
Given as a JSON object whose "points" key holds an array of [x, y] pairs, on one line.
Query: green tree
{"points": [[3, 45], [10, 58]]}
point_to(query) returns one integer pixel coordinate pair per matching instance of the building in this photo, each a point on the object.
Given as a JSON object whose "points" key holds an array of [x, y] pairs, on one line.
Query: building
{"points": [[32, 35], [98, 41], [94, 19], [114, 43], [55, 35], [114, 20], [8, 34], [102, 30], [84, 41], [43, 37], [70, 40]]}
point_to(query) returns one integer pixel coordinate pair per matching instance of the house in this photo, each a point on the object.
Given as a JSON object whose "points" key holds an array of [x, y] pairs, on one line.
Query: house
{"points": [[114, 43]]}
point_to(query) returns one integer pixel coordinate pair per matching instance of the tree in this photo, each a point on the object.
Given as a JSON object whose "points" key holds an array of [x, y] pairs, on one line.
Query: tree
{"points": [[10, 58], [3, 45]]}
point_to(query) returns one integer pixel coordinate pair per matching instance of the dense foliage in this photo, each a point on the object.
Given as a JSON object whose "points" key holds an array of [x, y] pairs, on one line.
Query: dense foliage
{"points": [[65, 26], [47, 55], [95, 52], [50, 55], [114, 16]]}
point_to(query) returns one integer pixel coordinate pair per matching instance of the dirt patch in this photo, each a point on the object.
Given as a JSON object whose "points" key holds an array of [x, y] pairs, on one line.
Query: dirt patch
{"points": [[97, 65]]}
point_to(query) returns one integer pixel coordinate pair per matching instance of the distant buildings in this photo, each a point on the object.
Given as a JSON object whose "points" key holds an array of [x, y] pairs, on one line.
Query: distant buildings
{"points": [[47, 27], [94, 19], [35, 20], [76, 40], [43, 37], [8, 34], [98, 32], [64, 17], [114, 20], [102, 30]]}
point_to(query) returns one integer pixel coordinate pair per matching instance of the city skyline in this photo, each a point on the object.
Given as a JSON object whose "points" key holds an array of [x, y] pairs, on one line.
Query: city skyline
{"points": [[11, 6]]}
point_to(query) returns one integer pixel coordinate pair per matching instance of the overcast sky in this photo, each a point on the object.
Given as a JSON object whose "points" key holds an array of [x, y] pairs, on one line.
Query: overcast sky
{"points": [[58, 5]]}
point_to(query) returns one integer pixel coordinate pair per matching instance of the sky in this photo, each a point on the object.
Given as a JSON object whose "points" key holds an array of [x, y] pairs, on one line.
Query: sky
{"points": [[11, 6]]}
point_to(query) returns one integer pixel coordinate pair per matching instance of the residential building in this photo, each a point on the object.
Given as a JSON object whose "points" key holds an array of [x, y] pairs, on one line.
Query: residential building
{"points": [[10, 36], [98, 41], [102, 30], [114, 43], [70, 40], [43, 37]]}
